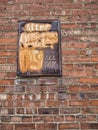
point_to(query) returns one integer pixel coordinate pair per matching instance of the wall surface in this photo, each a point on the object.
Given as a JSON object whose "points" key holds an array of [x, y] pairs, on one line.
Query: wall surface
{"points": [[69, 102]]}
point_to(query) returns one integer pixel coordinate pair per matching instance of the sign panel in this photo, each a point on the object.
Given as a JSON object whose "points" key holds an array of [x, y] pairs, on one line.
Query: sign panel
{"points": [[39, 50]]}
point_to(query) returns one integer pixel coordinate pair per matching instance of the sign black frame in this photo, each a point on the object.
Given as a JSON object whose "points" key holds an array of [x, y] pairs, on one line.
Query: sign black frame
{"points": [[54, 72]]}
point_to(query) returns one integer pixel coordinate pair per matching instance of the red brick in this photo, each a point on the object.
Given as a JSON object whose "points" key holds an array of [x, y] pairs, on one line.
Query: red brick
{"points": [[94, 59], [91, 5], [2, 47], [94, 102], [6, 53], [70, 38], [81, 118], [73, 6], [59, 118], [70, 118], [78, 88], [18, 104], [3, 74], [11, 60], [11, 74], [89, 80], [4, 1], [29, 111], [74, 45], [2, 60], [47, 126], [20, 110], [2, 7], [27, 118], [95, 11], [70, 110], [11, 34], [38, 118], [36, 6], [65, 26], [76, 59], [79, 103], [88, 126], [91, 118], [66, 126], [6, 82], [6, 126], [82, 12], [56, 103], [63, 1], [70, 52], [41, 13], [89, 110], [16, 119], [81, 73], [49, 1], [24, 1], [25, 126], [2, 89], [8, 40], [93, 88], [67, 102], [48, 111], [68, 67]]}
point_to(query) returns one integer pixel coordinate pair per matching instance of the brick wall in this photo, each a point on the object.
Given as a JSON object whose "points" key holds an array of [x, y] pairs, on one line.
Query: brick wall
{"points": [[63, 103]]}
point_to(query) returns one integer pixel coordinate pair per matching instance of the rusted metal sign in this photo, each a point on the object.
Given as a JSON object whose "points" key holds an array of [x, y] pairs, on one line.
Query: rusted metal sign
{"points": [[39, 47]]}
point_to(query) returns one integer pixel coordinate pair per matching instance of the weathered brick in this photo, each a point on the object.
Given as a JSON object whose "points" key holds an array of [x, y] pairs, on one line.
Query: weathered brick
{"points": [[88, 126], [16, 119], [30, 111], [57, 103], [89, 110], [91, 118], [6, 82], [63, 96], [4, 112], [20, 110], [6, 127], [37, 118], [5, 119], [69, 110], [59, 118], [3, 96], [47, 126], [25, 126], [27, 118], [82, 12], [81, 118], [11, 74], [48, 111]]}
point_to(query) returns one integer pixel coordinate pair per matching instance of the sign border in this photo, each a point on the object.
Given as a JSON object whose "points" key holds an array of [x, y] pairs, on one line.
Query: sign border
{"points": [[31, 74]]}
